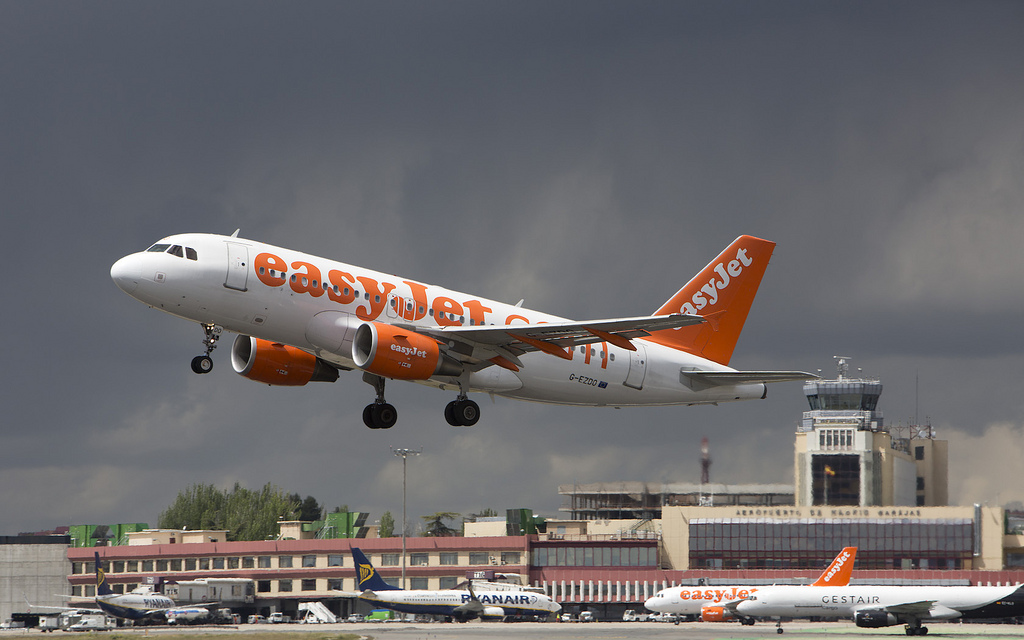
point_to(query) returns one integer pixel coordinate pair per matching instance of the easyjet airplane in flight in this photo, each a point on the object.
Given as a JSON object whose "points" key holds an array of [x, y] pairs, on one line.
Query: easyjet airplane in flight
{"points": [[302, 318]]}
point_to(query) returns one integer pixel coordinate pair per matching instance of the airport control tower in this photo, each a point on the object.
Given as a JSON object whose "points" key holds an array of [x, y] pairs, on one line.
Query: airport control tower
{"points": [[846, 456]]}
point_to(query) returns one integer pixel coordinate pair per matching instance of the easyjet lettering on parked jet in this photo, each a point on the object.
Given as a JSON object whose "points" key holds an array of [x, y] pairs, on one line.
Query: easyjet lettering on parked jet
{"points": [[301, 318]]}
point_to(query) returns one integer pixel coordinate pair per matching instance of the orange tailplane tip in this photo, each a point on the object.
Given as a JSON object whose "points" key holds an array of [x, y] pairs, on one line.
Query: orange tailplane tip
{"points": [[724, 289]]}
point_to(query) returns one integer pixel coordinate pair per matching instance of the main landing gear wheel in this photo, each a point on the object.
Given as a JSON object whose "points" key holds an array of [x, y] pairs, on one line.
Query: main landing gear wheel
{"points": [[380, 415], [917, 631], [462, 413]]}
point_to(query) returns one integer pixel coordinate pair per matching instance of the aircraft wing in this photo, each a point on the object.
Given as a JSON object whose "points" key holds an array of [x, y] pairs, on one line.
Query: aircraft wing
{"points": [[921, 609], [502, 345]]}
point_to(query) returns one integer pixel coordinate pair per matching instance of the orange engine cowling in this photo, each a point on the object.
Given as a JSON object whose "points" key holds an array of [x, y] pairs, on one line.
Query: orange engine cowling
{"points": [[278, 364], [715, 614], [393, 352]]}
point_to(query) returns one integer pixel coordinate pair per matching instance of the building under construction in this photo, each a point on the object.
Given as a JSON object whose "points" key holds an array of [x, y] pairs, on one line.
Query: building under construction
{"points": [[644, 500]]}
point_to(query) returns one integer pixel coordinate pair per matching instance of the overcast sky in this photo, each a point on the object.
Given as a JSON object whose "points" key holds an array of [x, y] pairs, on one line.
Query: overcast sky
{"points": [[587, 156]]}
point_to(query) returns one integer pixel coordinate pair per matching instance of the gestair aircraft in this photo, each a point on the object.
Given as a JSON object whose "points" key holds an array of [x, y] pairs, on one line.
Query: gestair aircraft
{"points": [[302, 318], [458, 604], [885, 606], [718, 604]]}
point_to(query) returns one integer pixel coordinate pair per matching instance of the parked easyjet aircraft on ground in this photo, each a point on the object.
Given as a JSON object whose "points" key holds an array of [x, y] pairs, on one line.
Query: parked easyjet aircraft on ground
{"points": [[884, 606], [718, 604], [302, 318]]}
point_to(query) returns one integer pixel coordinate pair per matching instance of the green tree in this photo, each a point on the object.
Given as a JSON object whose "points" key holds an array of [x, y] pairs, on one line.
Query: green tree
{"points": [[246, 514], [435, 524], [309, 509], [387, 525]]}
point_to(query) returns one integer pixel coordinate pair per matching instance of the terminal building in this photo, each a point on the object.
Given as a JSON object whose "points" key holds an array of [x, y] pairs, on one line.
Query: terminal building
{"points": [[856, 483]]}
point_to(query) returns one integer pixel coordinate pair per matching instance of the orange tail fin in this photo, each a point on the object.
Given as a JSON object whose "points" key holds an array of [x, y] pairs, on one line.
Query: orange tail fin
{"points": [[722, 293], [838, 573]]}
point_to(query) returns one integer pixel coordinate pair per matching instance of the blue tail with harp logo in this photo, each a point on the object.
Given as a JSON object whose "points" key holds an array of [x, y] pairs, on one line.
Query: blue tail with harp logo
{"points": [[102, 588], [366, 576]]}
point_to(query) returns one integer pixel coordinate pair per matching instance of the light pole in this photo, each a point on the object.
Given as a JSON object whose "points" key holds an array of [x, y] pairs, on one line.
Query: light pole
{"points": [[404, 455]]}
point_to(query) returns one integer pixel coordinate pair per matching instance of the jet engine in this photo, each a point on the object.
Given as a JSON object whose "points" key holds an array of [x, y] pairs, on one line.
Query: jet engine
{"points": [[715, 614], [493, 612], [278, 364], [874, 619], [393, 352]]}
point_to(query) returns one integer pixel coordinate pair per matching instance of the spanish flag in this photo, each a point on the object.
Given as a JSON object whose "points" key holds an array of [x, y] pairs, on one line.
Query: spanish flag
{"points": [[829, 471]]}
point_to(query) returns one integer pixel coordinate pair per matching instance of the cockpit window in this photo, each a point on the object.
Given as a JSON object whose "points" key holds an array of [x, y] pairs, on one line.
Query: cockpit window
{"points": [[176, 251], [190, 253], [158, 248]]}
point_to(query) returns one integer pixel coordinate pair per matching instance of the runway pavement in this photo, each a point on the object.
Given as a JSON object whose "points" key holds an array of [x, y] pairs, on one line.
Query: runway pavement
{"points": [[569, 631]]}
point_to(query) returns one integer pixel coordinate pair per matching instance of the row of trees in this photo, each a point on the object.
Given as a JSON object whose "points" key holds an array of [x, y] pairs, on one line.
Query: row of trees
{"points": [[253, 515]]}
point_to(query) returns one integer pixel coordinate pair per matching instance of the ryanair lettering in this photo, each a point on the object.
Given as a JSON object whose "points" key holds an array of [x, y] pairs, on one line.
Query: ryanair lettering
{"points": [[849, 599], [497, 598], [708, 294]]}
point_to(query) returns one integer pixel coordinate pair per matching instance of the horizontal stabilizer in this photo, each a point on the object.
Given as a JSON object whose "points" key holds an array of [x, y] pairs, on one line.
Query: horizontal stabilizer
{"points": [[706, 379]]}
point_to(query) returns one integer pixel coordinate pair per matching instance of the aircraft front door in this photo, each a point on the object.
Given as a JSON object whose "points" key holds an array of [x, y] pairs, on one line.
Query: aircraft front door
{"points": [[637, 367], [238, 269]]}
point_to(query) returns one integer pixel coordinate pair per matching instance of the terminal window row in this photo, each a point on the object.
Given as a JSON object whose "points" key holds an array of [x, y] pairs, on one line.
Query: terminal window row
{"points": [[208, 564], [170, 565], [451, 558]]}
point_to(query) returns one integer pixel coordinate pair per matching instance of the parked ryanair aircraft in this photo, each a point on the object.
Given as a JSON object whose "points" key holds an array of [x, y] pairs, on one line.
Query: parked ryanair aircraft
{"points": [[302, 318], [458, 604]]}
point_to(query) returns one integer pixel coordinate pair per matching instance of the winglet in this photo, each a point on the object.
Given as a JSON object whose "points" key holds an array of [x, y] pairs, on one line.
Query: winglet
{"points": [[102, 588], [367, 578], [838, 573], [723, 293]]}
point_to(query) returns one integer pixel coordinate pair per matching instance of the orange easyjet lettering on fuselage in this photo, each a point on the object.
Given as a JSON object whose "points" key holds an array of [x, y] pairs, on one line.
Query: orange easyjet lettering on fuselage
{"points": [[340, 287], [717, 595], [376, 297]]}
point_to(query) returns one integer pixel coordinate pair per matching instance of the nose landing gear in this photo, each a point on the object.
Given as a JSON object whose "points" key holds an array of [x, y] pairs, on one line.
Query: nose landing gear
{"points": [[204, 363]]}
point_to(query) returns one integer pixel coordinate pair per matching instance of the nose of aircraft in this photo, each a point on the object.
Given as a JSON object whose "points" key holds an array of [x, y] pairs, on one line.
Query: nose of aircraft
{"points": [[125, 273]]}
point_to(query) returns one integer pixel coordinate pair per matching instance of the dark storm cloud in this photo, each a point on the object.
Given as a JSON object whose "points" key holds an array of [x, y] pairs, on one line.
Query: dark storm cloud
{"points": [[588, 157]]}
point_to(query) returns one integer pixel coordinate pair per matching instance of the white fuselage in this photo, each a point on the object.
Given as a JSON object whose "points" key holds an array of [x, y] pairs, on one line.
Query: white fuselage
{"points": [[238, 285], [446, 602], [134, 605], [690, 600], [945, 602]]}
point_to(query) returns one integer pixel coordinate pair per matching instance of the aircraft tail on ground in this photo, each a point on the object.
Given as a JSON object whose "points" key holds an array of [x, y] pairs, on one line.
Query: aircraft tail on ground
{"points": [[102, 588], [838, 573], [722, 293], [366, 576]]}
